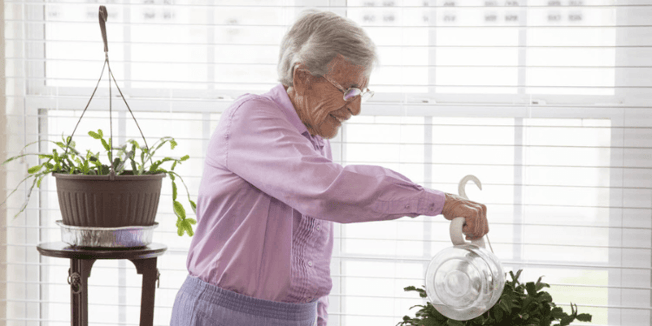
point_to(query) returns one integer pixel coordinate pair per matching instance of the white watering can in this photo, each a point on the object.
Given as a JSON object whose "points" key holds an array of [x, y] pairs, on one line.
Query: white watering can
{"points": [[466, 280]]}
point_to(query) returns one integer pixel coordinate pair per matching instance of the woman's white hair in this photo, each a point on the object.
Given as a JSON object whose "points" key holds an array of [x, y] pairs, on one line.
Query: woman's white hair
{"points": [[317, 37]]}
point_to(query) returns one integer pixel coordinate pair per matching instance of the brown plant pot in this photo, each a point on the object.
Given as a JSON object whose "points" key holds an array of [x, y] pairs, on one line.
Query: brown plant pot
{"points": [[96, 201]]}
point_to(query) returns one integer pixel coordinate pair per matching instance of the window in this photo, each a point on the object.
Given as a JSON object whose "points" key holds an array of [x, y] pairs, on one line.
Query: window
{"points": [[546, 102]]}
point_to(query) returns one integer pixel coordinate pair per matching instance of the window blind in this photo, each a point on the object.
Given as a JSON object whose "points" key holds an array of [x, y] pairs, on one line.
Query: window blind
{"points": [[546, 102]]}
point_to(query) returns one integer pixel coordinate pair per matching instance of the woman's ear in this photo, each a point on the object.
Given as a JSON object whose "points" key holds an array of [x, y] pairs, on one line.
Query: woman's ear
{"points": [[301, 79]]}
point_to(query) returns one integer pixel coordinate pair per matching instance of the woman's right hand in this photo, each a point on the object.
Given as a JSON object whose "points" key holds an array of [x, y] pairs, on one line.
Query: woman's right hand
{"points": [[475, 215]]}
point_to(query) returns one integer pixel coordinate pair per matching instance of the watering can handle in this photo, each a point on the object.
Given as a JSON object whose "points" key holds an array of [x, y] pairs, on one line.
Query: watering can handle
{"points": [[458, 238], [458, 223]]}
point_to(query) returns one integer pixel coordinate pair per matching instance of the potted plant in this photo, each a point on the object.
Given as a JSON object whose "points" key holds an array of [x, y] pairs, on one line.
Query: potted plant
{"points": [[88, 196], [519, 305], [123, 192]]}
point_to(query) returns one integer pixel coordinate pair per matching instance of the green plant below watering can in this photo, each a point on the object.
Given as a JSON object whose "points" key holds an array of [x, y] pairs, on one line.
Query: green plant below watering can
{"points": [[466, 286]]}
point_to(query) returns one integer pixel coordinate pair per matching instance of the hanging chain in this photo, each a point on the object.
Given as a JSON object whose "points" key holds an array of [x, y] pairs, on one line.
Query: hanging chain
{"points": [[111, 159], [103, 15]]}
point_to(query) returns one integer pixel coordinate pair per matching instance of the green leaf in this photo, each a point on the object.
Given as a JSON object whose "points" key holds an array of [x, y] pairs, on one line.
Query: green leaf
{"points": [[94, 135], [116, 163], [154, 166], [531, 288], [412, 288], [99, 131], [173, 144], [34, 169], [545, 297], [188, 228], [179, 210], [29, 194], [499, 314], [566, 321], [518, 274], [12, 158], [541, 285], [429, 322], [558, 313], [584, 317], [174, 191], [193, 205], [11, 193], [505, 305], [452, 322], [159, 146], [106, 146], [184, 158], [191, 221]]}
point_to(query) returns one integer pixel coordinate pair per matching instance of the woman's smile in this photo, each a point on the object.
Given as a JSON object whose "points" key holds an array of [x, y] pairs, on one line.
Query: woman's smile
{"points": [[339, 120]]}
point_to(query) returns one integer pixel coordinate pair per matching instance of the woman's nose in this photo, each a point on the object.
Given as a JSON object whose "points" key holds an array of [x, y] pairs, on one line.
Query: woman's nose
{"points": [[355, 106]]}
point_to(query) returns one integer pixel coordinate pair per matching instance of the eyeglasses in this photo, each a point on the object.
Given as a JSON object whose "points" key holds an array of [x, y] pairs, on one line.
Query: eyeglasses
{"points": [[351, 93]]}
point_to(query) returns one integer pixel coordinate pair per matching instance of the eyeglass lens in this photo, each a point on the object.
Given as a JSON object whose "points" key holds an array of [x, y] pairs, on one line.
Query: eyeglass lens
{"points": [[351, 93]]}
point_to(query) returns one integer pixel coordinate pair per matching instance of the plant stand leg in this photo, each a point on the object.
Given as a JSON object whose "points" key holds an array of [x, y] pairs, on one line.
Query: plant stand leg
{"points": [[147, 268], [78, 274]]}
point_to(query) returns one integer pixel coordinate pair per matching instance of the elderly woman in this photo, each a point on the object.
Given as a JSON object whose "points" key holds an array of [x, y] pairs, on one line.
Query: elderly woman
{"points": [[270, 190]]}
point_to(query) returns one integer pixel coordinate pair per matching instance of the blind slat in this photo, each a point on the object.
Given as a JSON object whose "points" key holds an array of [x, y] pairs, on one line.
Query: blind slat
{"points": [[274, 64], [18, 78], [447, 242], [367, 27], [166, 288], [508, 263], [149, 42], [458, 5]]}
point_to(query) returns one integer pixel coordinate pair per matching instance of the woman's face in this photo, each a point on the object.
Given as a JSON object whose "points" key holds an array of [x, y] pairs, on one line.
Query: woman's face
{"points": [[319, 104]]}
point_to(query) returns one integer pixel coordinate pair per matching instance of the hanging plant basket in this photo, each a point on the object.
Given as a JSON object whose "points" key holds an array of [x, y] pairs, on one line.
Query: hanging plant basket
{"points": [[96, 201], [119, 198], [108, 200]]}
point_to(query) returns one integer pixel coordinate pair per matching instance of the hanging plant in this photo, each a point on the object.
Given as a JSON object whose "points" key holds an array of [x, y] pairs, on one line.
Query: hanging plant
{"points": [[124, 191], [130, 159]]}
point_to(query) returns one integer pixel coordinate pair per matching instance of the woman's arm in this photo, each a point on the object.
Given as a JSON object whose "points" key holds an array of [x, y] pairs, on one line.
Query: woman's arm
{"points": [[258, 143]]}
